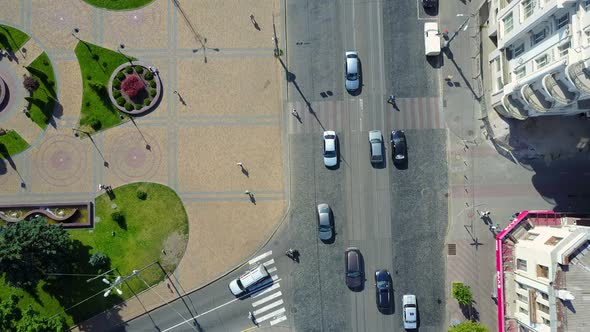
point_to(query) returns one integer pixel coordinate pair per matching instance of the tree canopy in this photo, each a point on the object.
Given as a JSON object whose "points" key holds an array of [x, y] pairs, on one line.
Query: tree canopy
{"points": [[469, 326], [30, 249], [462, 293], [12, 319]]}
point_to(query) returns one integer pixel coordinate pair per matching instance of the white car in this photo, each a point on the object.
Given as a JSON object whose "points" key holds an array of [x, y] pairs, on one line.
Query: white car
{"points": [[431, 39], [330, 153], [410, 312], [352, 71]]}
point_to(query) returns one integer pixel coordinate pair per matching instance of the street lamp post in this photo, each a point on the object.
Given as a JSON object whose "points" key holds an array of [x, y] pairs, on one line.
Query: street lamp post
{"points": [[105, 163], [147, 145], [75, 33]]}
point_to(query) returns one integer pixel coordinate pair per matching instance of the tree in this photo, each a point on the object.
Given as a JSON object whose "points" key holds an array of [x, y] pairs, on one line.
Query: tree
{"points": [[30, 83], [32, 322], [462, 293], [469, 326], [30, 249], [98, 260], [9, 313]]}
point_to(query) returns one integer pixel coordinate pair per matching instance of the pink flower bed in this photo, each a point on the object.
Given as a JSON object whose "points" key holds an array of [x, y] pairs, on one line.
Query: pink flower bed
{"points": [[132, 85]]}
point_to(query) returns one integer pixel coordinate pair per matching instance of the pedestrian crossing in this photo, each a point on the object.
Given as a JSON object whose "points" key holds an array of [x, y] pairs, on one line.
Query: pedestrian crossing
{"points": [[268, 304], [409, 113]]}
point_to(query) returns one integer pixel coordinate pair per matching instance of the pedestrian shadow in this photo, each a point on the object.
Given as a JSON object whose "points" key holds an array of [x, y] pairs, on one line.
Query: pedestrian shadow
{"points": [[447, 51], [245, 172]]}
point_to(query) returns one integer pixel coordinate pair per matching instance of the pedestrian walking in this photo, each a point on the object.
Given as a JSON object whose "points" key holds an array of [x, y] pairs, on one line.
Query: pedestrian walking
{"points": [[391, 99], [294, 112], [240, 164]]}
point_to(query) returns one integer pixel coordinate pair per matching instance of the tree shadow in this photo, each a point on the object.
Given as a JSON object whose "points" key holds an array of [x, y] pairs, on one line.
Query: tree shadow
{"points": [[79, 297]]}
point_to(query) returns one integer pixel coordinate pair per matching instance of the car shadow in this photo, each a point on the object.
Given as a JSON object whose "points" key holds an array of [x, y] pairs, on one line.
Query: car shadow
{"points": [[435, 61]]}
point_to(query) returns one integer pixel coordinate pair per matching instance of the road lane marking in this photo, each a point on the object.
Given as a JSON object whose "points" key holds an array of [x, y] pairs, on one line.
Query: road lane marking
{"points": [[261, 257], [278, 320], [270, 262], [268, 307], [266, 299], [275, 277], [273, 314], [272, 269], [269, 289]]}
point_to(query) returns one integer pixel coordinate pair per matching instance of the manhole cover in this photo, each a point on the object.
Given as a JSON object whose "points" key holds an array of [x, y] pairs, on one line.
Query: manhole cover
{"points": [[452, 249]]}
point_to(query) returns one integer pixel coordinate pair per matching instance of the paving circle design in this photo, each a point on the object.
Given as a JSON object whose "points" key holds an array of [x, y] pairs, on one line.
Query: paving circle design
{"points": [[130, 160], [61, 160]]}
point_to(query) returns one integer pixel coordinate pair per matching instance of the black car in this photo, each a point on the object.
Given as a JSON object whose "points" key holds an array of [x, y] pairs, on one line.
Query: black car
{"points": [[353, 268], [383, 289], [429, 3], [399, 151]]}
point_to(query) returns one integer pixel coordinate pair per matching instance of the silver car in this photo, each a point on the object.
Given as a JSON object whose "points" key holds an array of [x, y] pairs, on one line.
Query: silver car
{"points": [[325, 222], [376, 145], [353, 75], [330, 153]]}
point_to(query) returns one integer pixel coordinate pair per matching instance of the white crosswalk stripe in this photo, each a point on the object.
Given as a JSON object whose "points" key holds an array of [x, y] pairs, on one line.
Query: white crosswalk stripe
{"points": [[268, 298]]}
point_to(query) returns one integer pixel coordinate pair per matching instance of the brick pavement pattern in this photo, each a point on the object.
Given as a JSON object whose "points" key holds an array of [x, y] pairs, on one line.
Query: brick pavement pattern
{"points": [[231, 85]]}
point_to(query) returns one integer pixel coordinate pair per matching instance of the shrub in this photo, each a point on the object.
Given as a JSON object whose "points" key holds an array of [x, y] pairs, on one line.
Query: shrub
{"points": [[139, 69], [147, 101], [129, 70], [120, 101], [95, 123], [116, 94], [141, 195], [118, 217], [138, 106], [98, 87], [132, 85], [148, 75], [45, 62], [87, 104], [153, 84], [128, 106], [98, 260], [30, 83], [462, 293], [104, 64], [469, 326], [88, 77], [121, 76], [116, 84], [153, 92], [95, 57]]}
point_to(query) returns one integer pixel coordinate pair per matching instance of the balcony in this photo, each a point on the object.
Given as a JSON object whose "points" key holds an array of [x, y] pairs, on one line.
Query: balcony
{"points": [[534, 98], [558, 90], [515, 107], [580, 76]]}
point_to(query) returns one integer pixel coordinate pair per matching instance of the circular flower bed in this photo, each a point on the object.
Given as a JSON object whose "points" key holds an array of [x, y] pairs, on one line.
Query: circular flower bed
{"points": [[134, 89]]}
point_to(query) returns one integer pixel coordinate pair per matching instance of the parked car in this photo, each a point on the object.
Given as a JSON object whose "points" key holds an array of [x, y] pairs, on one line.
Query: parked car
{"points": [[353, 268], [399, 150], [431, 39], [330, 153], [325, 223], [376, 145], [410, 312], [383, 289], [351, 70]]}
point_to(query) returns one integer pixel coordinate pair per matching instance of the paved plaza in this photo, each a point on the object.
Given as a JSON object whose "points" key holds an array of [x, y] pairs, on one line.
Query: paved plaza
{"points": [[232, 89]]}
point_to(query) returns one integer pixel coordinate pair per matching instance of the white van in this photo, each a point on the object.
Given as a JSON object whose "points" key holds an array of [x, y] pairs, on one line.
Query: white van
{"points": [[248, 279], [431, 39]]}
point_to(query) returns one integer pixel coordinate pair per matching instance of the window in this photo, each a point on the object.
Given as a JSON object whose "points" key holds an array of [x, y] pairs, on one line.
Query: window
{"points": [[520, 72], [521, 264], [522, 286], [508, 23], [531, 236], [543, 307], [563, 21], [546, 321], [542, 61], [522, 298], [554, 239], [544, 296], [499, 83], [528, 7], [523, 310], [518, 50], [542, 271], [498, 67], [586, 5], [538, 37]]}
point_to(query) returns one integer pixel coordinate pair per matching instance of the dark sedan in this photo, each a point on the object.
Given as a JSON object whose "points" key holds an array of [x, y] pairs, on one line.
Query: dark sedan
{"points": [[383, 289], [353, 262], [399, 151]]}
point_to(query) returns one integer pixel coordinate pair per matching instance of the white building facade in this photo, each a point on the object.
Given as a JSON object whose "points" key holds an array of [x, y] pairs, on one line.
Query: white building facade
{"points": [[541, 63]]}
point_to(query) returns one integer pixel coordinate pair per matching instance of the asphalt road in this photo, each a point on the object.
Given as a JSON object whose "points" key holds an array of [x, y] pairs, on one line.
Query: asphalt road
{"points": [[396, 217]]}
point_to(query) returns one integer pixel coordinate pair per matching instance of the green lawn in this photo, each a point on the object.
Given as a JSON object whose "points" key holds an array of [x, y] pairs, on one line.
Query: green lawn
{"points": [[12, 39], [148, 225], [97, 65], [118, 4], [12, 144], [43, 100]]}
